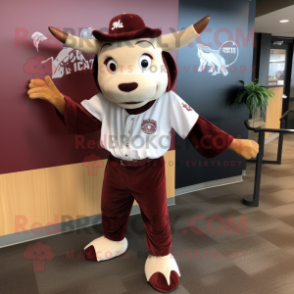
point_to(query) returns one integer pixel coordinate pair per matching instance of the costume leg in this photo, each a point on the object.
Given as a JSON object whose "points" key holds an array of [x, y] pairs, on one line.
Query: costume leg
{"points": [[149, 189], [116, 204]]}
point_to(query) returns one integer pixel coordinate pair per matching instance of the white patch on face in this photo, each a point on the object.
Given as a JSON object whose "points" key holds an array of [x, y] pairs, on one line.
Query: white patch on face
{"points": [[129, 73]]}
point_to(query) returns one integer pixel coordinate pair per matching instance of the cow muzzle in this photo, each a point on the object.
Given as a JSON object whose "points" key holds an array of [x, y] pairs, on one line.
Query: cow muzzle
{"points": [[128, 87]]}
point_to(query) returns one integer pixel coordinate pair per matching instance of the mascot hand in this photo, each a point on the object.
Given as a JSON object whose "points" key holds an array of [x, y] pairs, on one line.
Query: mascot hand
{"points": [[46, 90], [245, 148]]}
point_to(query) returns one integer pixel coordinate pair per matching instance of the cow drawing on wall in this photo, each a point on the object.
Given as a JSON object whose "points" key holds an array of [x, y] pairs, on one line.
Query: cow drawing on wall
{"points": [[135, 106], [212, 58]]}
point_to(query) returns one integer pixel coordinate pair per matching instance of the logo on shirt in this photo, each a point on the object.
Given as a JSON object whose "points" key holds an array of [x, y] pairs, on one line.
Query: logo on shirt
{"points": [[187, 107], [149, 126], [117, 24]]}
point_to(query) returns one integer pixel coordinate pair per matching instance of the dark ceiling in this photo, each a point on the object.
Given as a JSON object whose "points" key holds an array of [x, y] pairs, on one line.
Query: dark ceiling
{"points": [[267, 6]]}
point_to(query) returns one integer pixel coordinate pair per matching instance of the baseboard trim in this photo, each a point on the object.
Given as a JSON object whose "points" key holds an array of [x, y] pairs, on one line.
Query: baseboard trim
{"points": [[60, 228], [209, 184]]}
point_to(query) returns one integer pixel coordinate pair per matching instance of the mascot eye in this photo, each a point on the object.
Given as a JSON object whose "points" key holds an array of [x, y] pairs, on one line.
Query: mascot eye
{"points": [[111, 65], [145, 61]]}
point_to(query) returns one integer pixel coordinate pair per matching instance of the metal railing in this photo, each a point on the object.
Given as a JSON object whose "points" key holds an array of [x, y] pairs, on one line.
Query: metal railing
{"points": [[254, 201]]}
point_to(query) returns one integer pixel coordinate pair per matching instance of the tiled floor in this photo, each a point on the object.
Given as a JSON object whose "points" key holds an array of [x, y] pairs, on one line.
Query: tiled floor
{"points": [[243, 250]]}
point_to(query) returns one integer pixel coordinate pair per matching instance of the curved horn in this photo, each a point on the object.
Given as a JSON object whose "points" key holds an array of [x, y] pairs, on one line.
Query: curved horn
{"points": [[82, 44], [182, 38]]}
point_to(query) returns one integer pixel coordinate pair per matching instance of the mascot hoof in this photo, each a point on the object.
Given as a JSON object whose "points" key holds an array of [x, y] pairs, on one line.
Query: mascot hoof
{"points": [[104, 249], [162, 272], [90, 253], [158, 282]]}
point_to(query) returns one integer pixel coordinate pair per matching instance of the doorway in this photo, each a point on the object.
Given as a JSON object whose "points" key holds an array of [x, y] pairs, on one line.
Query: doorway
{"points": [[281, 71]]}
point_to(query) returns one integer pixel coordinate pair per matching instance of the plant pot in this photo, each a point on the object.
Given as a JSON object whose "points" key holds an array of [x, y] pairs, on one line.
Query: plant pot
{"points": [[257, 120]]}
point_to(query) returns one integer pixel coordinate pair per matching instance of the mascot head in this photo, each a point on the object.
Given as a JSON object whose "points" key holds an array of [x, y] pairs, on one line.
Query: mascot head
{"points": [[132, 66]]}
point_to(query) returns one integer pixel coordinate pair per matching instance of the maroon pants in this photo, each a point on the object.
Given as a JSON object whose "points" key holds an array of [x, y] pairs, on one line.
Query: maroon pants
{"points": [[147, 185]]}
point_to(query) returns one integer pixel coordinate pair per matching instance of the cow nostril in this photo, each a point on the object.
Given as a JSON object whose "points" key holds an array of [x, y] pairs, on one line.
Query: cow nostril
{"points": [[128, 87]]}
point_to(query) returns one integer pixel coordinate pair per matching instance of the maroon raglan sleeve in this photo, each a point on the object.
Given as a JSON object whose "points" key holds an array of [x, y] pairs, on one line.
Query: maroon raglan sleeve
{"points": [[77, 119], [209, 140]]}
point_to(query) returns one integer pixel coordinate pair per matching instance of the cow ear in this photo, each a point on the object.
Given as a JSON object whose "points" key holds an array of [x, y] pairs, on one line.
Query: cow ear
{"points": [[171, 68]]}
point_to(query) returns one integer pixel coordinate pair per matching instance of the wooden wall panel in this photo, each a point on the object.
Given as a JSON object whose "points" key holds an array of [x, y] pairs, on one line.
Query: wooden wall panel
{"points": [[42, 196]]}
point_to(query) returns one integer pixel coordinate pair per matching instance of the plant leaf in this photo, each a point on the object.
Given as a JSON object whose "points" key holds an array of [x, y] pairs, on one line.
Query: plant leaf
{"points": [[253, 95]]}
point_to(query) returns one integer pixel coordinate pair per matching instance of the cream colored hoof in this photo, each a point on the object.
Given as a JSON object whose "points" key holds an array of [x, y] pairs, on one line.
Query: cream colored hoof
{"points": [[104, 249], [161, 264]]}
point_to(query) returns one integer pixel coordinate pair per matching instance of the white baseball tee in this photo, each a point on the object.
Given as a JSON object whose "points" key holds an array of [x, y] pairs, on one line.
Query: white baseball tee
{"points": [[145, 135]]}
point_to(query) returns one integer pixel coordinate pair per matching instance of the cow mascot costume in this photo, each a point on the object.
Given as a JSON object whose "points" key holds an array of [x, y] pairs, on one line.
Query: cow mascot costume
{"points": [[137, 110]]}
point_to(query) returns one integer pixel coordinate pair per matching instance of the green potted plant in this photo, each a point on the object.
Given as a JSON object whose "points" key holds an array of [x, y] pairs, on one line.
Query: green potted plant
{"points": [[256, 98]]}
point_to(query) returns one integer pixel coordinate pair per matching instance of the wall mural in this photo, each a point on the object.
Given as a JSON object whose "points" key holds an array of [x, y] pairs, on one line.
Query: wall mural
{"points": [[217, 61], [66, 62]]}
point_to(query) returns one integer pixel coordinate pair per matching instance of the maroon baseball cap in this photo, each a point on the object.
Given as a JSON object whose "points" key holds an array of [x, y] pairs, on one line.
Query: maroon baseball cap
{"points": [[126, 27]]}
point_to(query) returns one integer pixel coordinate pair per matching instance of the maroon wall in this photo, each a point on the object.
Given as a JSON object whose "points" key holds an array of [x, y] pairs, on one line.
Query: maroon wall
{"points": [[31, 134]]}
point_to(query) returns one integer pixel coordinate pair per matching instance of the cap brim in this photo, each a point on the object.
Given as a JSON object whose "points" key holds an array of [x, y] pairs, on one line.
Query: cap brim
{"points": [[143, 33]]}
